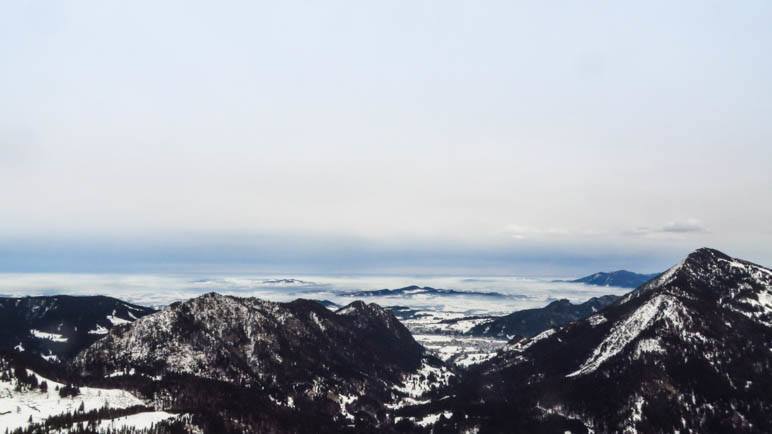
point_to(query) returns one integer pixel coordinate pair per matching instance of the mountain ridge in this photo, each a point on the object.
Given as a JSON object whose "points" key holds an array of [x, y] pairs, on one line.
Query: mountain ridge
{"points": [[619, 278], [530, 322], [58, 327]]}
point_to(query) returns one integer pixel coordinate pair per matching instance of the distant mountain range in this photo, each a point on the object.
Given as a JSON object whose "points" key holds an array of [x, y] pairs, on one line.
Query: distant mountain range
{"points": [[621, 279], [424, 290], [688, 351], [531, 322]]}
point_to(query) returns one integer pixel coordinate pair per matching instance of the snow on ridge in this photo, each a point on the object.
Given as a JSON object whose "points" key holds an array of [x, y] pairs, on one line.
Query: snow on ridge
{"points": [[53, 337], [524, 344], [667, 276], [661, 306], [662, 280]]}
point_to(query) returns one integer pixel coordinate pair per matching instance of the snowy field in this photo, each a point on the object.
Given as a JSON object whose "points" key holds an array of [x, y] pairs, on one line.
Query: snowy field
{"points": [[17, 408]]}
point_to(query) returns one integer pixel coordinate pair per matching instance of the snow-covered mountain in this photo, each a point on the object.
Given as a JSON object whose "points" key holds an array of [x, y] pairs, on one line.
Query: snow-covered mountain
{"points": [[346, 366], [530, 322], [58, 327], [690, 351]]}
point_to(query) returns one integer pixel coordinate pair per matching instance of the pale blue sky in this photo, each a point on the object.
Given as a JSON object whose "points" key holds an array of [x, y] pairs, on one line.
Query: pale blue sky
{"points": [[362, 136]]}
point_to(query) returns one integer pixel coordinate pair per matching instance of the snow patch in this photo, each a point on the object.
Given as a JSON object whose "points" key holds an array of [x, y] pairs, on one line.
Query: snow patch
{"points": [[596, 320], [53, 337], [99, 330], [345, 400], [145, 420], [433, 418], [318, 321], [17, 407], [470, 359], [114, 320]]}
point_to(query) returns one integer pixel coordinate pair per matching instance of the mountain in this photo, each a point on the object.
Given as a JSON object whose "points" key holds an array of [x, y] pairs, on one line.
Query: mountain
{"points": [[338, 367], [414, 290], [531, 322], [688, 351], [621, 278], [58, 327]]}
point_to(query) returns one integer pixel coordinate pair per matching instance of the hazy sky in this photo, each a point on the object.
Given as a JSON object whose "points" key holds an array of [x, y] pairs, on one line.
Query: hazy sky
{"points": [[477, 136]]}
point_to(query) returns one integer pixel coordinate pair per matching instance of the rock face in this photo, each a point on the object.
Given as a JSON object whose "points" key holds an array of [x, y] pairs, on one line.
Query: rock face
{"points": [[621, 278], [58, 327], [345, 364], [531, 322], [689, 351]]}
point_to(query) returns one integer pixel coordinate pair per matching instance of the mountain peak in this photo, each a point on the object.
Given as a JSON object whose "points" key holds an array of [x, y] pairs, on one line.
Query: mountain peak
{"points": [[706, 254]]}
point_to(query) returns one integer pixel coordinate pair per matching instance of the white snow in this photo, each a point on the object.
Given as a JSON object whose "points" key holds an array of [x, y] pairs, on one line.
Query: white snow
{"points": [[469, 359], [143, 420], [53, 337], [99, 330], [524, 344], [345, 400], [627, 330], [16, 408], [667, 276], [636, 415], [114, 320], [120, 373], [433, 418], [318, 321], [596, 320], [50, 357], [648, 346], [762, 307], [459, 349], [426, 377], [19, 348]]}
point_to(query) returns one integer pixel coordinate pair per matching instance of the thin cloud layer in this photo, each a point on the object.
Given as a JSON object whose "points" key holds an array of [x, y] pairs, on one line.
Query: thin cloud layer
{"points": [[678, 227]]}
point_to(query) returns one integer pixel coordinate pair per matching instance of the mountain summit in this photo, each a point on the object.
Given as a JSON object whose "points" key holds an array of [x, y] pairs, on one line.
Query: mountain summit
{"points": [[688, 351]]}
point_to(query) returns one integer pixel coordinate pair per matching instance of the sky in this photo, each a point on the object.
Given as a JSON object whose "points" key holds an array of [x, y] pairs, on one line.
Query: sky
{"points": [[532, 138]]}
